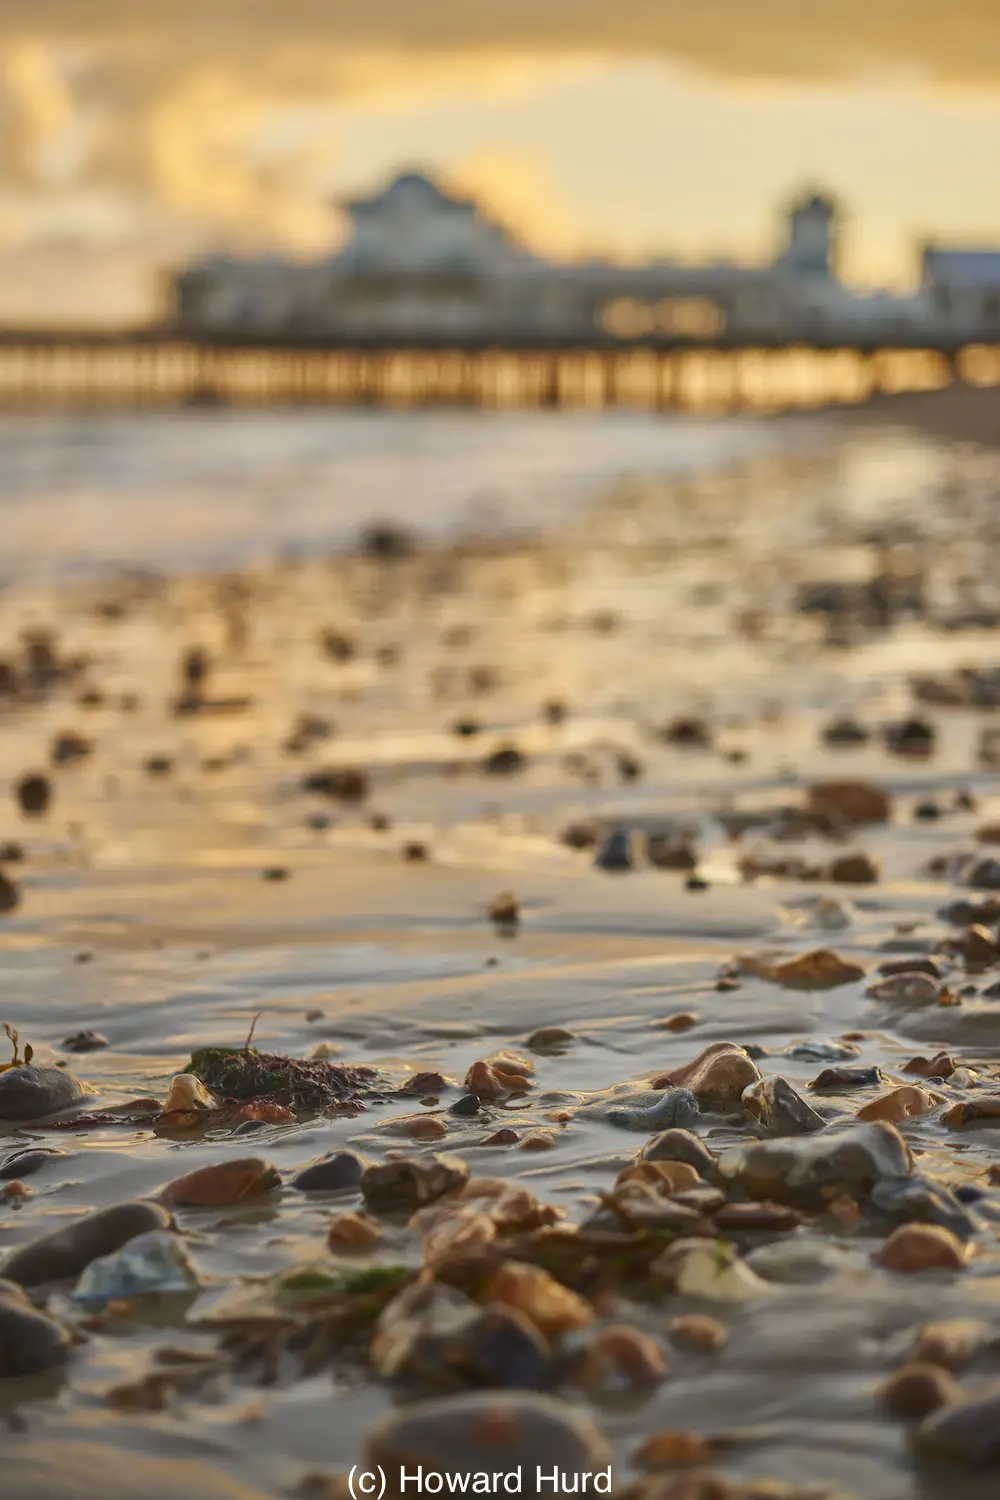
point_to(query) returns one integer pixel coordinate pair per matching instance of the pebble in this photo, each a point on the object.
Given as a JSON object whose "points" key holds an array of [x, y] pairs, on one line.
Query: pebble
{"points": [[223, 1183], [775, 1105], [539, 1140], [619, 1357], [710, 1271], [912, 1393], [67, 1252], [30, 1093], [697, 1332], [408, 1183], [353, 1231], [913, 1248], [548, 1038], [903, 1103], [503, 1137], [853, 869], [681, 1145], [718, 1075], [425, 1128], [33, 793], [38, 1468], [646, 1109], [467, 1105], [951, 1343], [966, 1433], [617, 854], [30, 1340], [331, 1174], [831, 914], [797, 1170], [84, 1041], [851, 1076], [26, 1162], [550, 1306], [484, 1432], [850, 803]]}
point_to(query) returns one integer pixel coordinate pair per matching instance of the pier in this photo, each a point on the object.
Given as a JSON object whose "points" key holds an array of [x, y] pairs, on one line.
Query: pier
{"points": [[156, 369]]}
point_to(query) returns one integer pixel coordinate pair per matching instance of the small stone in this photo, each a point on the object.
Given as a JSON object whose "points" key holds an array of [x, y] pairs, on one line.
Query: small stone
{"points": [[719, 1074], [984, 1111], [539, 1140], [353, 1231], [26, 1162], [965, 1433], [775, 1218], [620, 1357], [549, 1038], [666, 853], [504, 761], [710, 1271], [33, 793], [505, 910], [831, 914], [334, 1173], [681, 1146], [775, 1105], [468, 1105], [30, 1341], [911, 988], [820, 970], [645, 1109], [186, 1093], [504, 1137], [344, 784], [941, 1065], [800, 1170], [698, 1333], [844, 733], [84, 1041], [853, 869], [66, 1252], [617, 854], [425, 1128], [913, 1248], [30, 1093], [550, 1306], [912, 1393], [408, 1183], [223, 1184], [682, 1021], [689, 733], [847, 803], [848, 1076], [482, 1432], [904, 1103]]}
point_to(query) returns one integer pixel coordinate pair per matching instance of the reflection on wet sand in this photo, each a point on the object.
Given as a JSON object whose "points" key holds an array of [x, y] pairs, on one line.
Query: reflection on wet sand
{"points": [[556, 964]]}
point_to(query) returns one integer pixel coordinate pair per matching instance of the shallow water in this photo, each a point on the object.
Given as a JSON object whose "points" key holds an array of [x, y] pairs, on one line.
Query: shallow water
{"points": [[144, 914]]}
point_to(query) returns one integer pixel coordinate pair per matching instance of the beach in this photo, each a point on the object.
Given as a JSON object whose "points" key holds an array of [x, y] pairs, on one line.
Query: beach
{"points": [[476, 758]]}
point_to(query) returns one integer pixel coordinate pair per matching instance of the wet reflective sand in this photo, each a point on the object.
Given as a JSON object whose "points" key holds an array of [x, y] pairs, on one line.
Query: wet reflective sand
{"points": [[650, 663]]}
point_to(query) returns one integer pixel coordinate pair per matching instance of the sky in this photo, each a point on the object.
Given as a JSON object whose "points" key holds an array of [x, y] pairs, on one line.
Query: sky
{"points": [[134, 135]]}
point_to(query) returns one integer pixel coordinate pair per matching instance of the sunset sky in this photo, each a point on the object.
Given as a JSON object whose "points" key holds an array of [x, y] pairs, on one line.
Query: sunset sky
{"points": [[135, 134]]}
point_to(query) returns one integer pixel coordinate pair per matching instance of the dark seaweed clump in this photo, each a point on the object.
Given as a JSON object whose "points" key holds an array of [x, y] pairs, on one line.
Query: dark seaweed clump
{"points": [[244, 1073]]}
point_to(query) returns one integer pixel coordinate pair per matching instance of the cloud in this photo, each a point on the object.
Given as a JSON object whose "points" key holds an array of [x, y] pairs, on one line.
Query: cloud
{"points": [[959, 41]]}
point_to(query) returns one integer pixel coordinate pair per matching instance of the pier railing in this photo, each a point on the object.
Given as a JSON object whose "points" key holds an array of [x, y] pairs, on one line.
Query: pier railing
{"points": [[151, 368]]}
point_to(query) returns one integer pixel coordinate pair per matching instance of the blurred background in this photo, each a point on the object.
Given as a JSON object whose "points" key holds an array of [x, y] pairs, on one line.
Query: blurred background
{"points": [[514, 253]]}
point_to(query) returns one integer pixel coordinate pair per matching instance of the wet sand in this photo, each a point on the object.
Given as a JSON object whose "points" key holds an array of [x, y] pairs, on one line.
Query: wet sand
{"points": [[184, 881]]}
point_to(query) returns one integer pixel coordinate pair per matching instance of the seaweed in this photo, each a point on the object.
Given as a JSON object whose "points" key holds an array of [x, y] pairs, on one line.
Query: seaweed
{"points": [[240, 1073]]}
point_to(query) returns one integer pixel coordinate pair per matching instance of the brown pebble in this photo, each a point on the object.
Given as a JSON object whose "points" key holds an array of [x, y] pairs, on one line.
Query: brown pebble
{"points": [[415, 851], [913, 1248], [33, 793], [682, 1021], [756, 1216], [912, 1393], [950, 1343], [853, 869], [426, 1128], [223, 1183], [547, 1037], [504, 1137], [903, 1103], [697, 1332], [504, 909], [539, 1140], [352, 1231], [15, 1189]]}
